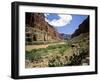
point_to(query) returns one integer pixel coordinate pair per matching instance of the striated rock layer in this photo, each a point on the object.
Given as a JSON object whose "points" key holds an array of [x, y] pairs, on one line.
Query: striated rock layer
{"points": [[37, 30]]}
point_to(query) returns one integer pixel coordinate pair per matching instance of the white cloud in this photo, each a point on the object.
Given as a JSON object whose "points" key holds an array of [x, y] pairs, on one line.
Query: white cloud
{"points": [[46, 14], [62, 21]]}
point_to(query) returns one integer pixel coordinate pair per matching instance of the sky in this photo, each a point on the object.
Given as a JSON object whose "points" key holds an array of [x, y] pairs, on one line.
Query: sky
{"points": [[64, 23]]}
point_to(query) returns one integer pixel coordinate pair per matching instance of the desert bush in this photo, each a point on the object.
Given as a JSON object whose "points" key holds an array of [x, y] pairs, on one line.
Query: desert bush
{"points": [[37, 54], [51, 47], [55, 61], [57, 46], [69, 43], [62, 50], [33, 56], [76, 59]]}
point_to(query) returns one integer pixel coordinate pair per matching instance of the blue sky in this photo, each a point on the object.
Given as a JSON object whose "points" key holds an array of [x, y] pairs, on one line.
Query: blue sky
{"points": [[64, 23]]}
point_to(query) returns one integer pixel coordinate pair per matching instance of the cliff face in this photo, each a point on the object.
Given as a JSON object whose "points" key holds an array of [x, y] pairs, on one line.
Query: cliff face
{"points": [[39, 30], [83, 28]]}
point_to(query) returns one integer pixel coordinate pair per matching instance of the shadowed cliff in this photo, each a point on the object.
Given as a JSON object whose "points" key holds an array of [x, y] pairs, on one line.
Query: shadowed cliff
{"points": [[83, 28]]}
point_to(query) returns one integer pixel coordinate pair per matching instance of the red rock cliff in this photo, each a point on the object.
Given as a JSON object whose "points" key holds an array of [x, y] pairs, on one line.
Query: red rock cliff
{"points": [[38, 29]]}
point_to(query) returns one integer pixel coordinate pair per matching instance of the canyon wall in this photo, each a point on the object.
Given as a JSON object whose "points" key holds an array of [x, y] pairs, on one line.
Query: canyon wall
{"points": [[39, 30], [83, 28]]}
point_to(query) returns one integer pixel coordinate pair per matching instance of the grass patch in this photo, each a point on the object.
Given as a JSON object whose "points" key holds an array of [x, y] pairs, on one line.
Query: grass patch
{"points": [[37, 54]]}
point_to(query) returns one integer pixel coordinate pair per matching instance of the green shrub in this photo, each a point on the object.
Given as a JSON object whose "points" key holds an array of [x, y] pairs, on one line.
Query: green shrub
{"points": [[54, 62], [33, 56], [62, 50], [77, 59], [59, 46], [36, 54]]}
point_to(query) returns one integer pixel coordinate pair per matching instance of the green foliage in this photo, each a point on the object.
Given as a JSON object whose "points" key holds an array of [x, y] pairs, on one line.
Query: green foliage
{"points": [[36, 54], [69, 43], [76, 59], [57, 46], [33, 56], [62, 50], [56, 54], [54, 62]]}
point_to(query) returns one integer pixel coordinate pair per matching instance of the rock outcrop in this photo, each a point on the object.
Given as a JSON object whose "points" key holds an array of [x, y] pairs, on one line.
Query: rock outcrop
{"points": [[37, 30]]}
